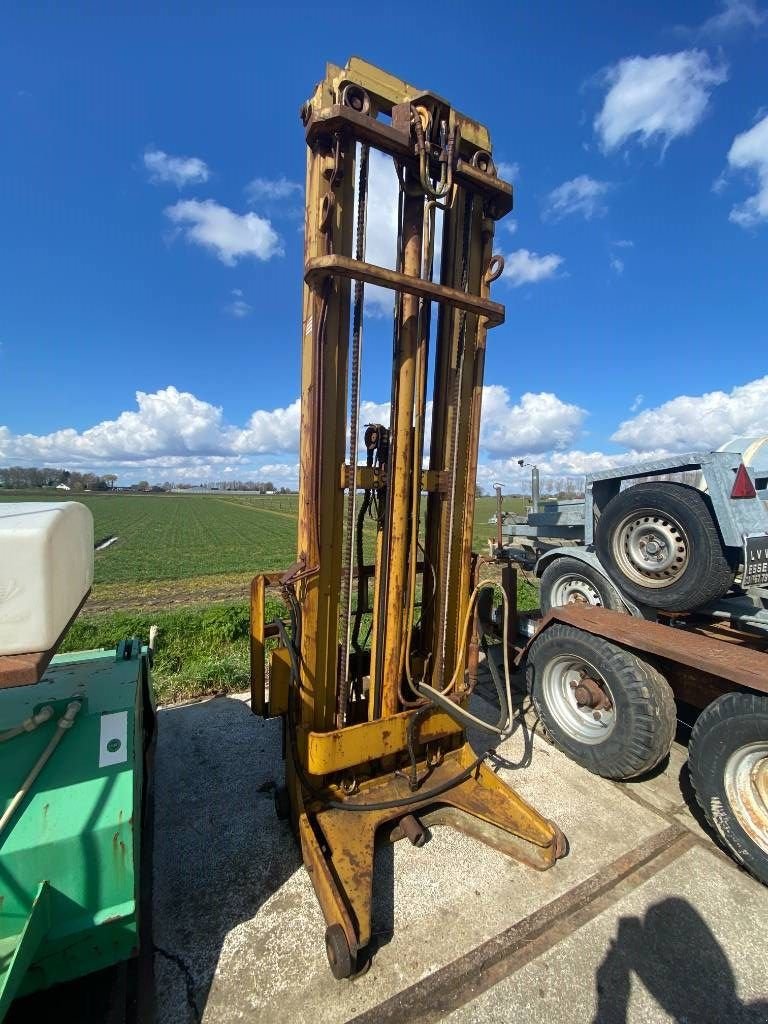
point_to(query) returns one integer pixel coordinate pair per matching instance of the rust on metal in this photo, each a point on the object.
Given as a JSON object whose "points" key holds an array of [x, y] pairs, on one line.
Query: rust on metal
{"points": [[318, 269]]}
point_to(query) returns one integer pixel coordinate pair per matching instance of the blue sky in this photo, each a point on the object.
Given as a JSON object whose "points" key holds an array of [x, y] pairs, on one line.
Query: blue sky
{"points": [[150, 212]]}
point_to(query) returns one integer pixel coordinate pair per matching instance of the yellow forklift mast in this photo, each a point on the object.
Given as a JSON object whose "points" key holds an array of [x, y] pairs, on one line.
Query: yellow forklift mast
{"points": [[378, 655]]}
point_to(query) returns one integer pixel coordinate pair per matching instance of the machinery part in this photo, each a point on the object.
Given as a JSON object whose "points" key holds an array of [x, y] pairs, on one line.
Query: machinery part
{"points": [[365, 744], [75, 859], [660, 544], [340, 956], [567, 581], [607, 709], [413, 830], [728, 762]]}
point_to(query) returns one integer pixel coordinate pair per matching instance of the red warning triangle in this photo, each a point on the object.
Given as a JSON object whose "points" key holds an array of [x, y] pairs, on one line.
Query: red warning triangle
{"points": [[743, 486]]}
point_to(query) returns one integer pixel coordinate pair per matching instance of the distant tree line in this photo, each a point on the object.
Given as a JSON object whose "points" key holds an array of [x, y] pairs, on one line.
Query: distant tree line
{"points": [[25, 477], [258, 486]]}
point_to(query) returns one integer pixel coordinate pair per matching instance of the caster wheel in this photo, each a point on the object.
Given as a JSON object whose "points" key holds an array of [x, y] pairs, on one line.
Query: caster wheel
{"points": [[282, 803], [340, 956]]}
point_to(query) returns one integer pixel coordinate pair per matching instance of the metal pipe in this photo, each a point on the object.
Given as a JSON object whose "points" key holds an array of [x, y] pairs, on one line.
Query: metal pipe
{"points": [[499, 535], [29, 724], [64, 723], [402, 476], [535, 490]]}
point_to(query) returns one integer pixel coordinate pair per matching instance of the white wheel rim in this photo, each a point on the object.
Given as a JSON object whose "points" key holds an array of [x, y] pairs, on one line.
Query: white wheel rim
{"points": [[746, 786], [651, 548], [575, 589], [579, 723]]}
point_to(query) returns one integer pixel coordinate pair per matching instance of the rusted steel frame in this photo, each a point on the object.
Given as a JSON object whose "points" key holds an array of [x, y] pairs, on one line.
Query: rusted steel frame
{"points": [[345, 267], [444, 411], [399, 143], [465, 463], [481, 255], [353, 745], [402, 469], [339, 850], [325, 340], [748, 668], [259, 631]]}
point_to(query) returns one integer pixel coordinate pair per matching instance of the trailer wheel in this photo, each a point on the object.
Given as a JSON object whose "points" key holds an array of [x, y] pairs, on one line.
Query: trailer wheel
{"points": [[567, 581], [660, 545], [608, 710], [728, 761]]}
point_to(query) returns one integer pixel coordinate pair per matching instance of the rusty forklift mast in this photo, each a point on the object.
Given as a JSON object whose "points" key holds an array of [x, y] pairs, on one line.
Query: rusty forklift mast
{"points": [[374, 724]]}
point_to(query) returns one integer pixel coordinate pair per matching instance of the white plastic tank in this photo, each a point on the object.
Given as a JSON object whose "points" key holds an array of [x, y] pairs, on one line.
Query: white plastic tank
{"points": [[46, 569]]}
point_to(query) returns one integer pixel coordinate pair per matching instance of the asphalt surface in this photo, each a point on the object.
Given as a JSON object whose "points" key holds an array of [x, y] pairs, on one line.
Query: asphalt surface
{"points": [[645, 920]]}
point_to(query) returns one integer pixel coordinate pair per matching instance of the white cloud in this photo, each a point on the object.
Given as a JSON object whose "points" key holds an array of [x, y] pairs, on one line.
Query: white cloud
{"points": [[536, 423], [178, 170], [381, 229], [229, 235], [623, 243], [509, 224], [269, 430], [582, 195], [508, 171], [525, 267], [658, 98], [749, 152], [735, 15], [637, 403], [173, 434], [707, 421], [616, 264], [238, 307], [278, 188]]}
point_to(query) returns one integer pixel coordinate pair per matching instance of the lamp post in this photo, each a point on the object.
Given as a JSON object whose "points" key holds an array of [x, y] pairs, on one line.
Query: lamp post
{"points": [[535, 491]]}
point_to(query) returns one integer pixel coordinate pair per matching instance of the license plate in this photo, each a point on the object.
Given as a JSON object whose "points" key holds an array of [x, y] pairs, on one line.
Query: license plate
{"points": [[755, 561]]}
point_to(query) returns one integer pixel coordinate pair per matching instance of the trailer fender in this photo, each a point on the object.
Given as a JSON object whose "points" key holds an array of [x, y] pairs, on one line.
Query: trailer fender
{"points": [[588, 557]]}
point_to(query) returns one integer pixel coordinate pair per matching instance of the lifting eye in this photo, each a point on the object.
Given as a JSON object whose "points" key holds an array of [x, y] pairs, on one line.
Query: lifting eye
{"points": [[358, 99], [483, 161]]}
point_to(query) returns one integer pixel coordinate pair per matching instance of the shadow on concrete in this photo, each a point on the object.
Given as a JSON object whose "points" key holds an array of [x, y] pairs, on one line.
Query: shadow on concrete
{"points": [[220, 851], [676, 957]]}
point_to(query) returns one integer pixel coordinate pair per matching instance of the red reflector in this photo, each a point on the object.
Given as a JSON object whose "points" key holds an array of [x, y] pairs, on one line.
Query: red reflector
{"points": [[742, 485]]}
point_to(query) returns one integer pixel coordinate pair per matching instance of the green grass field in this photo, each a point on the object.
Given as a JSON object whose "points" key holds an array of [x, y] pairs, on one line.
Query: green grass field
{"points": [[189, 537], [184, 563]]}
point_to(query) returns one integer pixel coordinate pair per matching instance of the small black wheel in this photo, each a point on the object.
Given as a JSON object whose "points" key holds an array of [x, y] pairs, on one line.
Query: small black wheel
{"points": [[728, 762], [660, 545], [569, 581], [340, 956], [282, 803], [608, 710]]}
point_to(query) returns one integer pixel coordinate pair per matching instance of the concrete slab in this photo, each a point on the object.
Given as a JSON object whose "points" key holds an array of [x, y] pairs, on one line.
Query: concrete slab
{"points": [[239, 932], [690, 944]]}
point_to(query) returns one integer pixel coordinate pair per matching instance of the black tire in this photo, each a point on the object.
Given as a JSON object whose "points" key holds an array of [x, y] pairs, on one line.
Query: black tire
{"points": [[699, 571], [731, 731], [561, 570], [638, 729]]}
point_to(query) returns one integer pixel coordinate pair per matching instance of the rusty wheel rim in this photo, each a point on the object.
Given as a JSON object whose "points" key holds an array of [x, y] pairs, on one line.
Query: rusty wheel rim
{"points": [[560, 680]]}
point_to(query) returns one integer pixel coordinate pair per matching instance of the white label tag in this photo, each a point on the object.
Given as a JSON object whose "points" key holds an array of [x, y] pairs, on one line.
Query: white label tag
{"points": [[113, 739]]}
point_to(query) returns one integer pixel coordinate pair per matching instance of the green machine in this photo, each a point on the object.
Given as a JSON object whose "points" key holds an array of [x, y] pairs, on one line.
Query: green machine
{"points": [[76, 746]]}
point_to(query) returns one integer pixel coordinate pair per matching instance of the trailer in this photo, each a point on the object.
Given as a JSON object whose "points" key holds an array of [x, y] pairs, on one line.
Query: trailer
{"points": [[657, 616]]}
